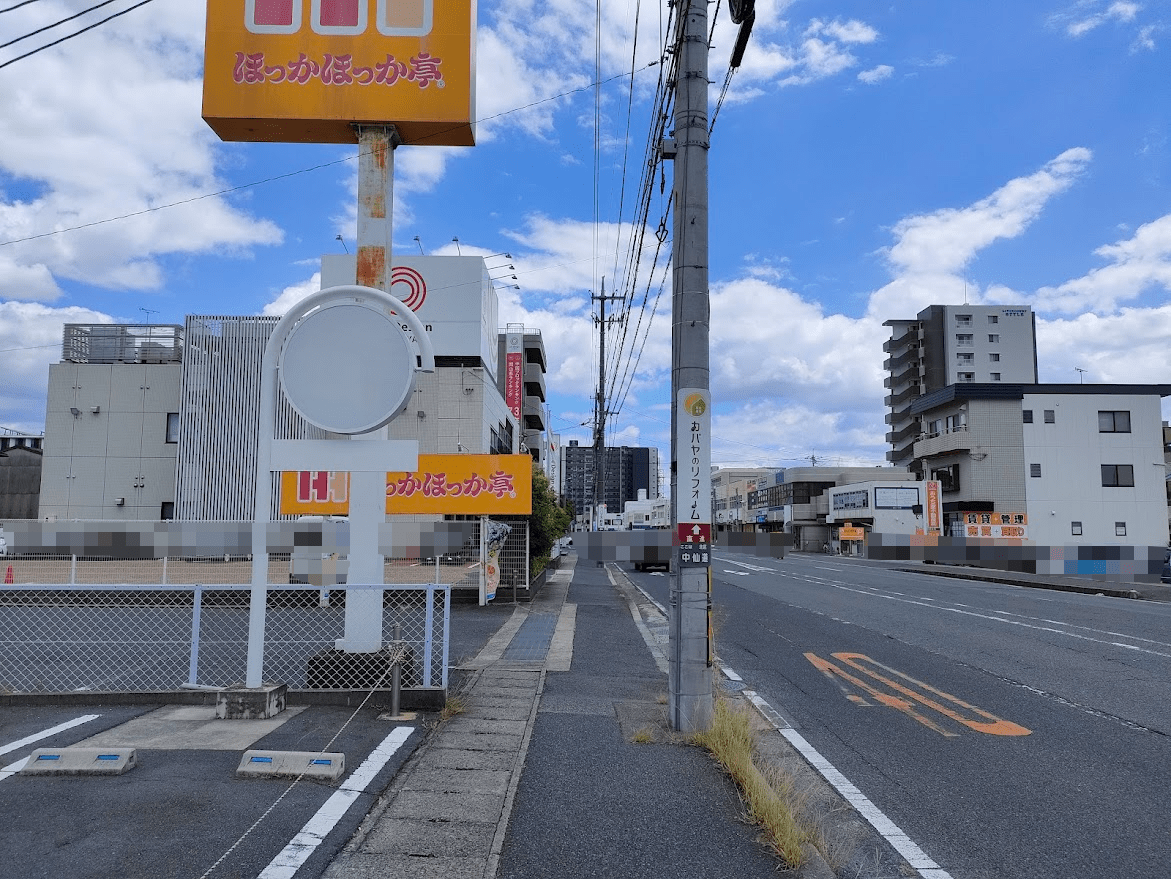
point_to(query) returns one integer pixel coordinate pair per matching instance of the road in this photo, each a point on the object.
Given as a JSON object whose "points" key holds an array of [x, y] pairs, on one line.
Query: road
{"points": [[1008, 731]]}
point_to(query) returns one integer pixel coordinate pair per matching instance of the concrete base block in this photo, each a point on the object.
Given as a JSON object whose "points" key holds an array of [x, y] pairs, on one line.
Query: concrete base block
{"points": [[256, 703], [80, 761], [269, 764]]}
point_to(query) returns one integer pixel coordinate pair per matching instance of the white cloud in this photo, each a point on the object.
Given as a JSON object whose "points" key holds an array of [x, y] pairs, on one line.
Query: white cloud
{"points": [[109, 125], [1136, 264], [1079, 20], [30, 339], [293, 294], [876, 74], [1123, 348], [852, 31], [931, 250]]}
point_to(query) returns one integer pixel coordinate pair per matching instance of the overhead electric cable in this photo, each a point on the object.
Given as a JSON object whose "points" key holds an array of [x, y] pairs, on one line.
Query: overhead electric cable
{"points": [[49, 27], [242, 186], [75, 34], [17, 6]]}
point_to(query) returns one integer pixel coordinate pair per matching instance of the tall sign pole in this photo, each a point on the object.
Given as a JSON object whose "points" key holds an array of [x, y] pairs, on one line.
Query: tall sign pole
{"points": [[691, 657]]}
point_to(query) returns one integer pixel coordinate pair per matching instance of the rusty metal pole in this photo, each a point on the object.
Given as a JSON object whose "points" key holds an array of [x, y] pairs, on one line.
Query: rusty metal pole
{"points": [[363, 633]]}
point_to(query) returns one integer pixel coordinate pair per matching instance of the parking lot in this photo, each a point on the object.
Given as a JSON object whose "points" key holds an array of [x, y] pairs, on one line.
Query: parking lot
{"points": [[182, 812]]}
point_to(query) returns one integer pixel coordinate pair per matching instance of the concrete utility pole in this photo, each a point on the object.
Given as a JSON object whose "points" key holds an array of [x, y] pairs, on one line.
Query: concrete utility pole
{"points": [[600, 412], [691, 659]]}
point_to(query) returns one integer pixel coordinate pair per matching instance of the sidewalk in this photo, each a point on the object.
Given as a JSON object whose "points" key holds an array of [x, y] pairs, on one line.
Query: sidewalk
{"points": [[540, 775]]}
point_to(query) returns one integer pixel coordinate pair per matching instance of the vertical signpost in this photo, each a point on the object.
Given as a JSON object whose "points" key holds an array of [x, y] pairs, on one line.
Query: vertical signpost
{"points": [[378, 73], [691, 660]]}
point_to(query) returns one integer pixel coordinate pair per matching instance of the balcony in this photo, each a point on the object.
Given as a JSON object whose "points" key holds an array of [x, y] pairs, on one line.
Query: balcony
{"points": [[903, 396], [957, 440], [891, 364], [534, 417], [898, 437]]}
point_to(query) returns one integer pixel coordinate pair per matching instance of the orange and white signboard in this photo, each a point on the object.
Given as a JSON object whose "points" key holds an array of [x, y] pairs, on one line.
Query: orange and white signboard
{"points": [[1014, 525], [472, 485], [934, 517], [851, 532], [306, 71]]}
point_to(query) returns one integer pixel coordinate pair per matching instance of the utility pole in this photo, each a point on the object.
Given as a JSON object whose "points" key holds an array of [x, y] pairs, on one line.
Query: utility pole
{"points": [[691, 651], [600, 411]]}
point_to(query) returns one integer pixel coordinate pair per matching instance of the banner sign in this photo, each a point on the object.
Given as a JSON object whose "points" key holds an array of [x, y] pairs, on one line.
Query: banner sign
{"points": [[514, 374], [693, 450], [305, 71], [471, 485], [933, 513]]}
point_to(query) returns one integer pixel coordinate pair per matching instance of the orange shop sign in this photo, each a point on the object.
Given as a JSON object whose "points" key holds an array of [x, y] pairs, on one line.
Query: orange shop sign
{"points": [[306, 71], [446, 484]]}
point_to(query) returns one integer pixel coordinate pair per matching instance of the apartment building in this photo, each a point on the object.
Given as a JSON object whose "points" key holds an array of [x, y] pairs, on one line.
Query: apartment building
{"points": [[952, 344]]}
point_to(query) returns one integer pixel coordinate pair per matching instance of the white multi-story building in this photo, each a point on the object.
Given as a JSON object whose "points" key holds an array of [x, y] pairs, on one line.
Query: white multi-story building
{"points": [[952, 344], [111, 424], [1070, 463]]}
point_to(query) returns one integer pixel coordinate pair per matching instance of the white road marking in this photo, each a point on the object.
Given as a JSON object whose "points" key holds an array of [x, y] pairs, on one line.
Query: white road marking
{"points": [[760, 569], [286, 864], [1000, 619], [45, 733], [737, 573], [889, 831], [12, 768], [731, 675], [828, 568]]}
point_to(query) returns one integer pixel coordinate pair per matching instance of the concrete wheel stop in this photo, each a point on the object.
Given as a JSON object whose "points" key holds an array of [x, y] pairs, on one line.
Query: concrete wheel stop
{"points": [[80, 761]]}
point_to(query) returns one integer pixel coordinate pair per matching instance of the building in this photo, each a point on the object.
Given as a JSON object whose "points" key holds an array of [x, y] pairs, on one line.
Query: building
{"points": [[1057, 464], [20, 475], [644, 514], [804, 502], [952, 344], [520, 376], [732, 488], [885, 507], [629, 469], [111, 424]]}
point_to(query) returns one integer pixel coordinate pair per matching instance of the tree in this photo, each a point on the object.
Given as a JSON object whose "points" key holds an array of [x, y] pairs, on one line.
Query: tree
{"points": [[547, 522]]}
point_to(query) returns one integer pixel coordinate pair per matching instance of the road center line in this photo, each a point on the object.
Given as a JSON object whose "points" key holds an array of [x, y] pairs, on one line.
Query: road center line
{"points": [[997, 619], [297, 852], [45, 733]]}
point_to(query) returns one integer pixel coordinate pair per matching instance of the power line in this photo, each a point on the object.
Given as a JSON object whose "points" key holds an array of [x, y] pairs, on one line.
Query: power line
{"points": [[49, 27], [285, 176], [76, 34], [17, 6]]}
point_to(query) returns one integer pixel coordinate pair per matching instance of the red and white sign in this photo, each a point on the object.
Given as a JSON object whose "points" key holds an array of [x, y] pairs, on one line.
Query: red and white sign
{"points": [[933, 513], [514, 373]]}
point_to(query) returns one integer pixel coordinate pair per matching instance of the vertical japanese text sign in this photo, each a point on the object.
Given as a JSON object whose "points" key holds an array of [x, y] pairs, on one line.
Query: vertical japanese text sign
{"points": [[306, 71], [514, 375], [693, 505]]}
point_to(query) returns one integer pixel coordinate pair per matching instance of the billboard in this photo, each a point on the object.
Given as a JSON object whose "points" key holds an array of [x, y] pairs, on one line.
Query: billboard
{"points": [[471, 485], [452, 296], [306, 71]]}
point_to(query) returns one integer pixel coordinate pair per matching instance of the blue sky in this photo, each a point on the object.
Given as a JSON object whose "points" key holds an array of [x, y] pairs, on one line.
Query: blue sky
{"points": [[870, 159]]}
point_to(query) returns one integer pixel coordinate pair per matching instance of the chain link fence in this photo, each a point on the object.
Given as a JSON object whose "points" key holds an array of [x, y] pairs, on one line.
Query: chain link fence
{"points": [[139, 639]]}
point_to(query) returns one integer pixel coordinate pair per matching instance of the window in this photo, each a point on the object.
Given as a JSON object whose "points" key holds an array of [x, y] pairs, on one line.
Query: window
{"points": [[1119, 529], [993, 319], [994, 358], [967, 376], [1075, 528], [995, 376], [965, 358], [1118, 475], [167, 513], [963, 320], [1050, 416], [959, 421], [964, 339], [1034, 470], [1114, 422], [172, 427], [1028, 415], [994, 338]]}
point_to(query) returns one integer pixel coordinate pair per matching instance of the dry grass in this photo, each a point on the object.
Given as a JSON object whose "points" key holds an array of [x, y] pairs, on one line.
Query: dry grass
{"points": [[769, 797], [644, 736], [451, 708]]}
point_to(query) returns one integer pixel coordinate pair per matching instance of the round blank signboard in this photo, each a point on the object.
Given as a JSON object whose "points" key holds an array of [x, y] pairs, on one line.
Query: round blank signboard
{"points": [[348, 368]]}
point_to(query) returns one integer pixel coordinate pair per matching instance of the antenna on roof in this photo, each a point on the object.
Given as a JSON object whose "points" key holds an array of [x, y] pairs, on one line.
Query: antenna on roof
{"points": [[148, 312]]}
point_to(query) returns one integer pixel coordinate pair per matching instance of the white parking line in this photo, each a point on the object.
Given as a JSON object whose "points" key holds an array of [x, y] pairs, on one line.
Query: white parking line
{"points": [[12, 768], [45, 733], [297, 852]]}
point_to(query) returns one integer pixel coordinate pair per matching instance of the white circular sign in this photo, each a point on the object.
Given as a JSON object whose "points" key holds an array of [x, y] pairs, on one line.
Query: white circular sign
{"points": [[348, 367]]}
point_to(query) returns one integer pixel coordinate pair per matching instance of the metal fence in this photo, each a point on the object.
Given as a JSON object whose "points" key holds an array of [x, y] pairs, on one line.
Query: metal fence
{"points": [[133, 639]]}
